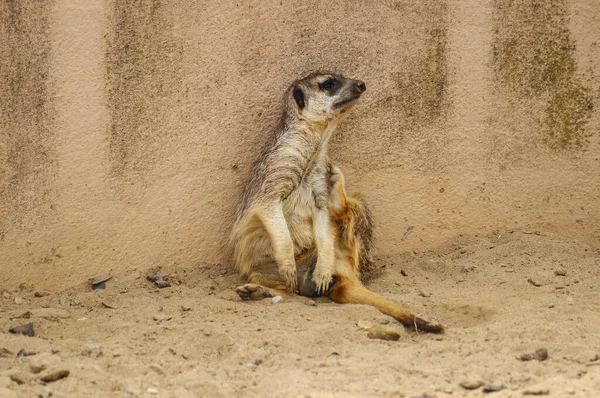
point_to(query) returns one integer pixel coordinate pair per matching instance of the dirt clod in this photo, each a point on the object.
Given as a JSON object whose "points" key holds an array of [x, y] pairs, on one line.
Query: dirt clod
{"points": [[54, 376], [471, 383], [540, 355], [383, 333]]}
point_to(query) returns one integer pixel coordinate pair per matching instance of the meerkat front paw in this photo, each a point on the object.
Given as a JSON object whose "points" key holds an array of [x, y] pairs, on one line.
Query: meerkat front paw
{"points": [[337, 190], [322, 280], [290, 276], [253, 291]]}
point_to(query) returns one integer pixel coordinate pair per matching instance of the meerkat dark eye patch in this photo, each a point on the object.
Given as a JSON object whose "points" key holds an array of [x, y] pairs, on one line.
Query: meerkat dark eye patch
{"points": [[299, 97], [330, 86]]}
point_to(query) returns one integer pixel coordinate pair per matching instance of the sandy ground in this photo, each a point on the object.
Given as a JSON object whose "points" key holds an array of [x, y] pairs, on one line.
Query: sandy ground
{"points": [[197, 338]]}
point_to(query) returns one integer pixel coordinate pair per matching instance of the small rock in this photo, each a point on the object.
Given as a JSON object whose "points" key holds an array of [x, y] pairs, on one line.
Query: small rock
{"points": [[161, 317], [424, 294], [560, 272], [540, 355], [570, 300], [185, 308], [536, 390], [364, 325], [54, 376], [383, 321], [41, 294], [162, 284], [109, 305], [99, 279], [493, 388], [535, 282], [276, 299], [312, 303], [6, 353], [383, 333], [27, 330], [99, 286], [152, 391], [23, 353], [471, 383], [5, 295], [18, 300]]}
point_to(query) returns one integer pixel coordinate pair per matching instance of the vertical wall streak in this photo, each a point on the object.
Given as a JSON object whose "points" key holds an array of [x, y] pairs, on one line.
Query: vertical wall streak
{"points": [[26, 144]]}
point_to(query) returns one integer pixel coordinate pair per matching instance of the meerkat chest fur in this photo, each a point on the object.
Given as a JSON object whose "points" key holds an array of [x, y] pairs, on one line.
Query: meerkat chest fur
{"points": [[311, 191]]}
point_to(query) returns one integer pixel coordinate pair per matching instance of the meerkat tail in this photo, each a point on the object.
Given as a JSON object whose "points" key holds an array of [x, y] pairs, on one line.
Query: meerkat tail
{"points": [[354, 292]]}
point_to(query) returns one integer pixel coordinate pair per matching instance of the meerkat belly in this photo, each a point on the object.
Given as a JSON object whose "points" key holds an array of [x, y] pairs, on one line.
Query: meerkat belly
{"points": [[299, 211]]}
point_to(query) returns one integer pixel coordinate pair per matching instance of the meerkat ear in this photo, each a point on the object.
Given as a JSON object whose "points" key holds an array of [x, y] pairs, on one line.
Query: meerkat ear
{"points": [[299, 97]]}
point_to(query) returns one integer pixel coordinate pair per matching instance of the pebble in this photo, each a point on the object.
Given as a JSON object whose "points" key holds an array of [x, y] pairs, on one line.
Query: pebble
{"points": [[424, 294], [99, 286], [535, 282], [23, 353], [536, 390], [41, 294], [54, 376], [383, 321], [161, 284], [471, 383], [99, 279], [27, 330], [540, 355], [560, 272], [18, 300], [152, 391], [5, 295], [493, 388], [383, 333], [276, 299], [312, 303], [161, 317]]}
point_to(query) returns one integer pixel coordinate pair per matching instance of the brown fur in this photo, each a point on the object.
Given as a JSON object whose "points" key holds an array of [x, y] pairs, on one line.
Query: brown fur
{"points": [[296, 228]]}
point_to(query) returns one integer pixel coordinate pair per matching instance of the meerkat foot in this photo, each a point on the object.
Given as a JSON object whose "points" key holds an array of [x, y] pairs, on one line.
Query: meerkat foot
{"points": [[253, 291]]}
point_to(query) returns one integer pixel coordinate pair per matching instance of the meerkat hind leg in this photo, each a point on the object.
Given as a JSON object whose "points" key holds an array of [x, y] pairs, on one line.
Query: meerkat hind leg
{"points": [[350, 290]]}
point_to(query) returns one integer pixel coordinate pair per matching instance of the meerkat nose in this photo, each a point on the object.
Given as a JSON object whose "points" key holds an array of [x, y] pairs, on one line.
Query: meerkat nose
{"points": [[361, 86]]}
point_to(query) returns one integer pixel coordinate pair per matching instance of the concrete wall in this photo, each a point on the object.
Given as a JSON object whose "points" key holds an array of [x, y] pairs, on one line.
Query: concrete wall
{"points": [[128, 126]]}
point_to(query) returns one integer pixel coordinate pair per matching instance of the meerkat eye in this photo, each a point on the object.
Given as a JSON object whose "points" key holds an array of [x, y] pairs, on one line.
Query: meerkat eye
{"points": [[328, 85]]}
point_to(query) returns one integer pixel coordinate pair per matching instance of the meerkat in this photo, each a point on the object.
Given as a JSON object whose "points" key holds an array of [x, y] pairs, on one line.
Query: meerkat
{"points": [[296, 228]]}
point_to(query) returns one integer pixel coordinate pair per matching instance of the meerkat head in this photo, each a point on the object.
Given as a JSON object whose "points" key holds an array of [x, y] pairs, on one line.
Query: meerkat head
{"points": [[322, 97]]}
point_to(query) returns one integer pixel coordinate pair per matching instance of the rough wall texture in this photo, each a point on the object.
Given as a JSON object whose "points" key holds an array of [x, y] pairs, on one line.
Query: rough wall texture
{"points": [[128, 126]]}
